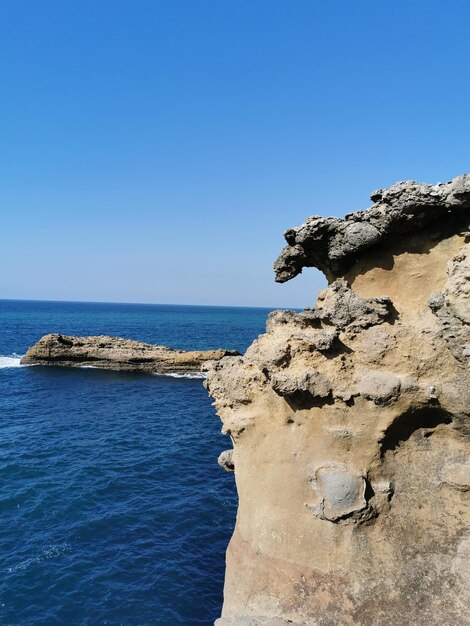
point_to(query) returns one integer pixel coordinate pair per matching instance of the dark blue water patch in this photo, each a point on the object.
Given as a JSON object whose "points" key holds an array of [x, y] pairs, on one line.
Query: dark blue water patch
{"points": [[113, 508]]}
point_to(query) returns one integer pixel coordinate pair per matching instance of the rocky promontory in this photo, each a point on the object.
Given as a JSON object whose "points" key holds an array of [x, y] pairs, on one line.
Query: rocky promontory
{"points": [[115, 353], [350, 424]]}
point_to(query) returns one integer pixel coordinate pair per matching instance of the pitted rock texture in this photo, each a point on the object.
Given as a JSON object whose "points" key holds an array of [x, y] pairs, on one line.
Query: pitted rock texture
{"points": [[225, 460], [452, 306], [255, 621], [334, 244], [114, 353], [350, 424], [457, 475]]}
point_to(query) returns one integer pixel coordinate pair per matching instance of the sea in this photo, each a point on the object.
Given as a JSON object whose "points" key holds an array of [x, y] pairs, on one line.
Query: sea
{"points": [[113, 509]]}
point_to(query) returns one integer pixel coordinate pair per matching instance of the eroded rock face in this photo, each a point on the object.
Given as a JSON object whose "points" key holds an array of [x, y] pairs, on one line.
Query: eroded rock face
{"points": [[334, 244], [351, 430], [225, 460], [115, 353]]}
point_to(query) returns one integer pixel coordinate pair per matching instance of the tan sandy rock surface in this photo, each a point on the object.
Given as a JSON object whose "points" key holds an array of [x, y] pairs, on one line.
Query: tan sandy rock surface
{"points": [[115, 353], [350, 425]]}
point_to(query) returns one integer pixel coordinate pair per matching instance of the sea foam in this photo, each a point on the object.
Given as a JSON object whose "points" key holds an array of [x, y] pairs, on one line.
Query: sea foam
{"points": [[199, 375], [14, 360]]}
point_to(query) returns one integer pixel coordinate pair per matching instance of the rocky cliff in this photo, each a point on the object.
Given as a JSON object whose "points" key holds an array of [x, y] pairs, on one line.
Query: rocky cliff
{"points": [[115, 353], [350, 425]]}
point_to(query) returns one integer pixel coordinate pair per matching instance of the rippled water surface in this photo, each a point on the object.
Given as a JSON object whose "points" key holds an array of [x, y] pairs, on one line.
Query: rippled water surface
{"points": [[113, 509]]}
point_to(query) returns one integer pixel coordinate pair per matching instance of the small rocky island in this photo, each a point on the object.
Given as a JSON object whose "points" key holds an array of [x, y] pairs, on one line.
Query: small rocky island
{"points": [[115, 353]]}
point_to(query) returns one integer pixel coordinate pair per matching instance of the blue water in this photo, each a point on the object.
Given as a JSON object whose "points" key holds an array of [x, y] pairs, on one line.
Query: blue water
{"points": [[113, 508]]}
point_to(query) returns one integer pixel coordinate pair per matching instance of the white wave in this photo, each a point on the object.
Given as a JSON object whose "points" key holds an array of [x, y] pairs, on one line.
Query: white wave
{"points": [[198, 375], [14, 360]]}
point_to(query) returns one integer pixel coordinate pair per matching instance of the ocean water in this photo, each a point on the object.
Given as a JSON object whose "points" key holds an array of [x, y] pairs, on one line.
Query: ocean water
{"points": [[113, 508]]}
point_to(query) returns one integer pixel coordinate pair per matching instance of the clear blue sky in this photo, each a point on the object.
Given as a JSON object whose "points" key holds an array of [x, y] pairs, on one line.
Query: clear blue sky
{"points": [[155, 151]]}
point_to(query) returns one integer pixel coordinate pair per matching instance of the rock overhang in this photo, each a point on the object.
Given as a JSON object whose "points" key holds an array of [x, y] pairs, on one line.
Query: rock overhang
{"points": [[334, 244]]}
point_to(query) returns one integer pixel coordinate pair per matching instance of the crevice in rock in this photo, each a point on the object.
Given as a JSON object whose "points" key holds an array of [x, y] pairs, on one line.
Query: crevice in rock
{"points": [[65, 342], [337, 349], [409, 422], [303, 400]]}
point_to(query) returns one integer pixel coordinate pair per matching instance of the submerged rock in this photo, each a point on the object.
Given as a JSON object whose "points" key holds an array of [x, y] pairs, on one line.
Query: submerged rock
{"points": [[350, 424], [115, 353]]}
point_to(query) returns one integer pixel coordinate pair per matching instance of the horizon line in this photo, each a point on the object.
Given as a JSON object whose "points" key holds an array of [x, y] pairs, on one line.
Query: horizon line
{"points": [[216, 306]]}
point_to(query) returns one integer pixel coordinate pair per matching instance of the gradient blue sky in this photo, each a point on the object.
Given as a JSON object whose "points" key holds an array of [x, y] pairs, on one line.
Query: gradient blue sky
{"points": [[155, 151]]}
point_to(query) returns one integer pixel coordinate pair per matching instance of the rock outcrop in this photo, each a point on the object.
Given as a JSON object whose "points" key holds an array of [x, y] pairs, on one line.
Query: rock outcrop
{"points": [[334, 244], [350, 424], [115, 353]]}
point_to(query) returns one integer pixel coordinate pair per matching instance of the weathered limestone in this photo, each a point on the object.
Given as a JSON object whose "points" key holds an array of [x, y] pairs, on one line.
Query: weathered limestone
{"points": [[254, 621], [334, 244], [225, 460], [114, 353], [351, 425]]}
